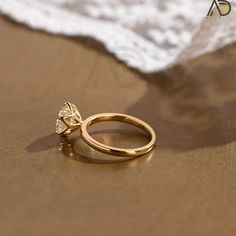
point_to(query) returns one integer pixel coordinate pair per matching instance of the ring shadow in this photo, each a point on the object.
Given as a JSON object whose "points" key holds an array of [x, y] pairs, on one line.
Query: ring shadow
{"points": [[75, 148], [193, 105]]}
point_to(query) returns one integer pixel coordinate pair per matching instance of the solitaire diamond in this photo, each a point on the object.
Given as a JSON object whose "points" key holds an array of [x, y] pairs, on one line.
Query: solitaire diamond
{"points": [[68, 120]]}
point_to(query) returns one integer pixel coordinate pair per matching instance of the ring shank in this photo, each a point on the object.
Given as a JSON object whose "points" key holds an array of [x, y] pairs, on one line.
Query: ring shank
{"points": [[132, 152]]}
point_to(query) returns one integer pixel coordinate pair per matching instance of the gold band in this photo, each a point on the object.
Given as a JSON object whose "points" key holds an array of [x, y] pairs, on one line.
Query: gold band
{"points": [[69, 120], [113, 150]]}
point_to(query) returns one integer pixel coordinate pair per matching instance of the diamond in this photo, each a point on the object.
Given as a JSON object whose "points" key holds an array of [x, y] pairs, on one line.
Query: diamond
{"points": [[68, 120], [65, 111], [60, 126]]}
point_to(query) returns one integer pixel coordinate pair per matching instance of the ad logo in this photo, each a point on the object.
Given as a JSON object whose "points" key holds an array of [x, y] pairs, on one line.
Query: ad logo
{"points": [[222, 6]]}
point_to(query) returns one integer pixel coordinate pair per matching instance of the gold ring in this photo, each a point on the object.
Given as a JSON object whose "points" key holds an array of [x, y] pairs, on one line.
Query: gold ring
{"points": [[69, 120]]}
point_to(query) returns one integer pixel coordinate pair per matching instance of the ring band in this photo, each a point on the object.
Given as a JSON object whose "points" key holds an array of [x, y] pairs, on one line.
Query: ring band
{"points": [[69, 120]]}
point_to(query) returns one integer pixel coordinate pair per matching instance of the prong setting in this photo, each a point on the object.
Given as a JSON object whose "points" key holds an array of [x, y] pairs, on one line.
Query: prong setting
{"points": [[69, 119]]}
